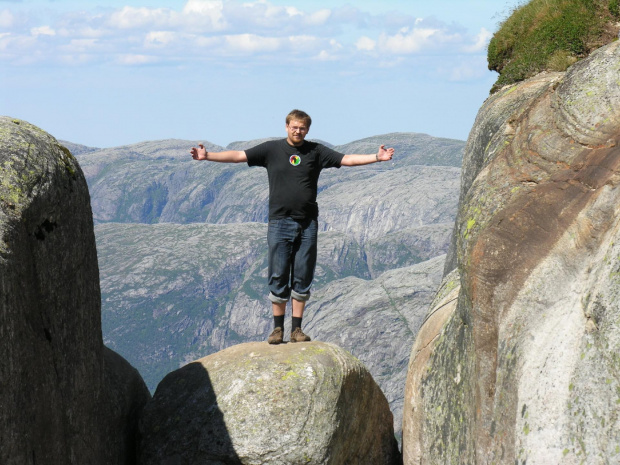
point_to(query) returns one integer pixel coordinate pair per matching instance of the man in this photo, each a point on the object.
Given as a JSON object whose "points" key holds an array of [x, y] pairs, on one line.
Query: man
{"points": [[293, 168]]}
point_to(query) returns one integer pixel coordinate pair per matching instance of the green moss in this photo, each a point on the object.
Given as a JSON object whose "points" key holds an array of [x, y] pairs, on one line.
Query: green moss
{"points": [[10, 192], [68, 160], [290, 374], [548, 35]]}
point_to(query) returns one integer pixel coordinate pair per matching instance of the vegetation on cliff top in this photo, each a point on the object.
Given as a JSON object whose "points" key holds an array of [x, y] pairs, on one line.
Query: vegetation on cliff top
{"points": [[550, 35]]}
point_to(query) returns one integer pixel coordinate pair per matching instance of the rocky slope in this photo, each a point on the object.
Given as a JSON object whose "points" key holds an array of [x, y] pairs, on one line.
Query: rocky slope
{"points": [[525, 366], [253, 403], [65, 398]]}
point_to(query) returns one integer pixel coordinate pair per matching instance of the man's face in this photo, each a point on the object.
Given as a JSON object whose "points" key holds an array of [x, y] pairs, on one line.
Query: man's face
{"points": [[296, 131]]}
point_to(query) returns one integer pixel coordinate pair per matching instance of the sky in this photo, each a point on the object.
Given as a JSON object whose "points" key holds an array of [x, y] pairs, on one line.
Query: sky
{"points": [[110, 73]]}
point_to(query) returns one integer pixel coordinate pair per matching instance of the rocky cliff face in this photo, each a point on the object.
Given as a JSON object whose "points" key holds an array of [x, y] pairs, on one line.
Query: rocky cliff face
{"points": [[518, 360], [253, 403], [65, 398]]}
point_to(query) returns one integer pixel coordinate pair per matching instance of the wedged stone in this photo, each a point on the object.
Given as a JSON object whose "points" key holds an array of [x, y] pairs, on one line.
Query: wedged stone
{"points": [[257, 403], [526, 368], [65, 399]]}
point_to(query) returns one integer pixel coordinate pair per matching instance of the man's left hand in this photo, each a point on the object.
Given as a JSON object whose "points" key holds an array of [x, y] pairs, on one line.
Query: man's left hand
{"points": [[385, 154]]}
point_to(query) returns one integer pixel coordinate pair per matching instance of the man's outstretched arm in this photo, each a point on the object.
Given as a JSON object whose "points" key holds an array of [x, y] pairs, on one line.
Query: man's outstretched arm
{"points": [[229, 156], [356, 160]]}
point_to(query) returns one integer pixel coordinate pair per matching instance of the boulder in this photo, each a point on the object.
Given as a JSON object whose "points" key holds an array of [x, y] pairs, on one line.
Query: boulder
{"points": [[525, 367], [65, 398], [257, 403]]}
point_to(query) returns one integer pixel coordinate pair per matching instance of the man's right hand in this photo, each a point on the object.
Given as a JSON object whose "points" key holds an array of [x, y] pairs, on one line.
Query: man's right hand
{"points": [[199, 153]]}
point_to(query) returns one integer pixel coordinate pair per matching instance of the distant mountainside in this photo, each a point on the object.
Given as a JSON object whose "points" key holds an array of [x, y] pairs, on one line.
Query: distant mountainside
{"points": [[158, 182], [78, 149], [182, 251]]}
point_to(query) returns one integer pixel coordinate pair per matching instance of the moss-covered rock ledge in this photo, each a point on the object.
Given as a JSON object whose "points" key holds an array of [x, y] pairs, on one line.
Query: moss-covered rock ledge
{"points": [[257, 403]]}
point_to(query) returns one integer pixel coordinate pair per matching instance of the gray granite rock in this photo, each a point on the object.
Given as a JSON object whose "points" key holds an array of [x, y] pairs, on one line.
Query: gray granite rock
{"points": [[256, 403], [525, 368], [65, 399]]}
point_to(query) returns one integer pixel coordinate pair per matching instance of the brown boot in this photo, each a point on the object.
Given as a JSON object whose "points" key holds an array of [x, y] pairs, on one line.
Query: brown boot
{"points": [[299, 336], [276, 337]]}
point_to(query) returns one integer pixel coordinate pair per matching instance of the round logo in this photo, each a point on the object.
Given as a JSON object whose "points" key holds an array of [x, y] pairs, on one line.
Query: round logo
{"points": [[295, 160]]}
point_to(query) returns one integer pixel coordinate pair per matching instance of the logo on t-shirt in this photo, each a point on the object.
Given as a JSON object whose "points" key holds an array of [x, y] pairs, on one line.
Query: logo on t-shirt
{"points": [[295, 160]]}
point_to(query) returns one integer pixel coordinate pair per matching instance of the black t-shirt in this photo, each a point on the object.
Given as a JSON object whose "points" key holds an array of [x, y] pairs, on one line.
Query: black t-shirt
{"points": [[293, 175]]}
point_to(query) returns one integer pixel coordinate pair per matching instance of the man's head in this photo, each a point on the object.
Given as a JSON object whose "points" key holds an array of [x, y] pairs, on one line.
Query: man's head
{"points": [[297, 126]]}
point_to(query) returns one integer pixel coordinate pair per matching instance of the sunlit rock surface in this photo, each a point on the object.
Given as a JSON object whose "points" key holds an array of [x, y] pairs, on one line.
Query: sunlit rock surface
{"points": [[526, 367], [257, 403]]}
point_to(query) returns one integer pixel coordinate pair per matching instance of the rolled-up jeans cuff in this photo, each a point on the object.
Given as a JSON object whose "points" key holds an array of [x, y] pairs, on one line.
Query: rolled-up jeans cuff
{"points": [[300, 297], [277, 300]]}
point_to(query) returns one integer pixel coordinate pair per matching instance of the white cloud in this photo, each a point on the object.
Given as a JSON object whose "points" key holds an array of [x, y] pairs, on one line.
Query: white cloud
{"points": [[136, 18], [215, 29], [324, 55], [132, 60], [76, 46], [42, 31], [303, 44], [250, 43], [6, 19], [204, 14], [366, 44], [290, 10], [84, 32], [159, 38], [482, 40], [319, 17], [415, 40]]}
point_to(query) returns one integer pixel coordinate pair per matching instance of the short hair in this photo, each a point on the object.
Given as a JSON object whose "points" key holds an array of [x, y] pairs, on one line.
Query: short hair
{"points": [[300, 116]]}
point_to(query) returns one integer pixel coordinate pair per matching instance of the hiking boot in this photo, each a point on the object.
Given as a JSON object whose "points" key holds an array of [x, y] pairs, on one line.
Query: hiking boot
{"points": [[276, 337], [299, 336]]}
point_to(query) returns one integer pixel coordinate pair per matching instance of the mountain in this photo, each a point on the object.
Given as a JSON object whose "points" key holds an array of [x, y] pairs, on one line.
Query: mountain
{"points": [[77, 149]]}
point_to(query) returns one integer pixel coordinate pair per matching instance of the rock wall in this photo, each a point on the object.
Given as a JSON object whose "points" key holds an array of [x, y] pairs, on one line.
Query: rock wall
{"points": [[65, 399], [525, 368], [256, 403]]}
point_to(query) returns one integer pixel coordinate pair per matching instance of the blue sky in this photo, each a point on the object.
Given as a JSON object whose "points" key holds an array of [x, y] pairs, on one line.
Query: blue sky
{"points": [[117, 72]]}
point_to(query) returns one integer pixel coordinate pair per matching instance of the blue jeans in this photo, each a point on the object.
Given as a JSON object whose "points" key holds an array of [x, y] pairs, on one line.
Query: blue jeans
{"points": [[292, 258]]}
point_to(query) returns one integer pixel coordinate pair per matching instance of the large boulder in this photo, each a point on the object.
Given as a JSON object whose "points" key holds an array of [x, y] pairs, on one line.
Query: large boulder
{"points": [[65, 398], [256, 403], [525, 368]]}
